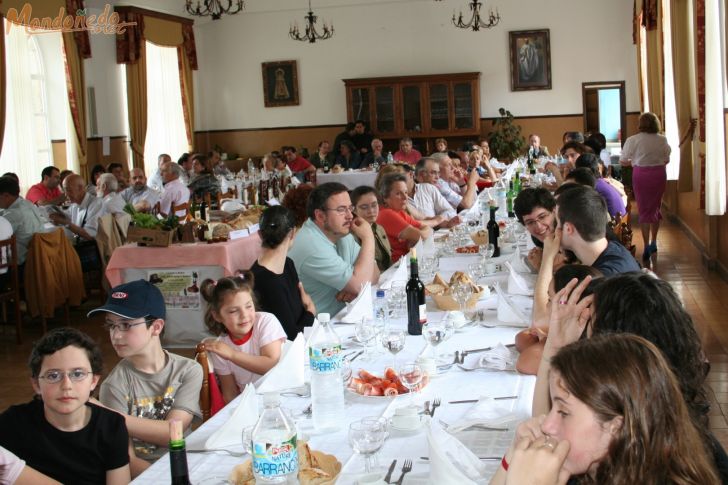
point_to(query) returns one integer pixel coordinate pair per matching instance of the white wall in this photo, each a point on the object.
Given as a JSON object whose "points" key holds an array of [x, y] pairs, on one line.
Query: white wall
{"points": [[591, 40]]}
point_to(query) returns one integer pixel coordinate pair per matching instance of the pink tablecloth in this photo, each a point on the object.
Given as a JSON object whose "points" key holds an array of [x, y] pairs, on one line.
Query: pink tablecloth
{"points": [[231, 256]]}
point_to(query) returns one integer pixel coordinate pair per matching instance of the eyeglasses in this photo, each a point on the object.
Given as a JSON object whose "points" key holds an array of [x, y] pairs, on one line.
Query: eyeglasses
{"points": [[124, 326], [343, 209], [367, 207], [530, 224], [56, 376]]}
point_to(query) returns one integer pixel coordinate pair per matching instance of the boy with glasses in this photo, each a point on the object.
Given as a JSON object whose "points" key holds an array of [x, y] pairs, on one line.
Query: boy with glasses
{"points": [[150, 386], [60, 433]]}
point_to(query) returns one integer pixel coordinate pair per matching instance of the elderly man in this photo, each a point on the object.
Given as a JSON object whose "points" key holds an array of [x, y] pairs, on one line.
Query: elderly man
{"points": [[375, 156], [23, 216], [106, 190], [535, 149], [155, 181], [117, 170], [48, 190], [426, 197], [459, 191], [140, 195], [175, 192], [406, 153], [330, 264]]}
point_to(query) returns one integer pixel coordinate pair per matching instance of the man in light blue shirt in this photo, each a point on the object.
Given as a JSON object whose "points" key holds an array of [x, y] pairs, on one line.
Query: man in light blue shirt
{"points": [[329, 262]]}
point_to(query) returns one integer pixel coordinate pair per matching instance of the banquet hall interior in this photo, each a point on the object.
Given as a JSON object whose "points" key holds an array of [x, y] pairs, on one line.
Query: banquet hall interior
{"points": [[113, 95]]}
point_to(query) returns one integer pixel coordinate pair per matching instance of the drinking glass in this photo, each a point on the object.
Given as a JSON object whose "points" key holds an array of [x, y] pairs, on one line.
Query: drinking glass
{"points": [[475, 270], [411, 376], [436, 333], [393, 340], [365, 332], [462, 293], [366, 438], [489, 250], [248, 439], [398, 296]]}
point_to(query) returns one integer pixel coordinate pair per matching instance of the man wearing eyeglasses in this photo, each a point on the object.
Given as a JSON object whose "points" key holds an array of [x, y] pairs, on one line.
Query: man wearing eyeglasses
{"points": [[426, 198], [150, 386], [330, 264]]}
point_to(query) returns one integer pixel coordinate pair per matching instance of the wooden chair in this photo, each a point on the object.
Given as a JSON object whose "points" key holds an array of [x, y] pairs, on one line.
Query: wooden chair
{"points": [[230, 194], [176, 208], [10, 290], [211, 400], [622, 227]]}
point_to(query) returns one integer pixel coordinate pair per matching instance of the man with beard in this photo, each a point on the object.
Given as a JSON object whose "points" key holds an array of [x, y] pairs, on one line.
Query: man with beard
{"points": [[48, 190], [140, 195]]}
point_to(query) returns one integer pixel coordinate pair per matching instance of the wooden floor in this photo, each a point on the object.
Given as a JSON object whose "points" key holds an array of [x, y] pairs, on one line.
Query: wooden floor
{"points": [[704, 293]]}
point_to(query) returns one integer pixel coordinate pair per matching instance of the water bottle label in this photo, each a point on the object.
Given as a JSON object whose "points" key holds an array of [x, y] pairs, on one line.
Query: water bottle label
{"points": [[325, 360], [275, 459]]}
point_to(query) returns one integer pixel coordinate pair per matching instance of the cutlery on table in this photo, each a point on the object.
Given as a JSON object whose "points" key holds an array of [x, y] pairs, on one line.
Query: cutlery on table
{"points": [[485, 458], [406, 468], [427, 407], [219, 450], [445, 426], [308, 411], [388, 476], [456, 360], [356, 354], [435, 404], [466, 401], [475, 351]]}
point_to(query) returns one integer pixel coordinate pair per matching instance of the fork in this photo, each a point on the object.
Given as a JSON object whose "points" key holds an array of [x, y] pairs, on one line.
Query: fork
{"points": [[435, 404], [406, 468]]}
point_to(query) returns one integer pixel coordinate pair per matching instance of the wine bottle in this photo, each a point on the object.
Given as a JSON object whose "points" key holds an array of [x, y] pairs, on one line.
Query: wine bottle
{"points": [[416, 310], [177, 454], [493, 231], [509, 200]]}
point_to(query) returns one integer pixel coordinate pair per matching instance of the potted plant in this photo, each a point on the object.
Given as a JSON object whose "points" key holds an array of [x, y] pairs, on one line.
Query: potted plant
{"points": [[506, 141]]}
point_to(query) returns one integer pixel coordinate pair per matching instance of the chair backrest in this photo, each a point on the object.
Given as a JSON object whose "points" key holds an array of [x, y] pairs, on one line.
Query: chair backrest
{"points": [[205, 400], [185, 207], [230, 194], [8, 256]]}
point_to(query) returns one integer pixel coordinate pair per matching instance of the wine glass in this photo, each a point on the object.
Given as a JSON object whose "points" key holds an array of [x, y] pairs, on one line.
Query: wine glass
{"points": [[398, 298], [462, 293], [365, 332], [436, 333], [393, 340], [411, 375], [366, 438], [489, 250]]}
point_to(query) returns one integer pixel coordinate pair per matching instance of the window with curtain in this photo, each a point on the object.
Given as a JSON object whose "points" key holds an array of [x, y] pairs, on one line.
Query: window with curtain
{"points": [[165, 120], [26, 146]]}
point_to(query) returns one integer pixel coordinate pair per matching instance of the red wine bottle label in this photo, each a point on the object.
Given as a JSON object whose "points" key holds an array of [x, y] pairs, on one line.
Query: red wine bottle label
{"points": [[423, 314]]}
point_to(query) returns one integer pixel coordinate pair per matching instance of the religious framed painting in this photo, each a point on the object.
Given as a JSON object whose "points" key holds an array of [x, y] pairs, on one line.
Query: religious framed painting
{"points": [[530, 59], [280, 83]]}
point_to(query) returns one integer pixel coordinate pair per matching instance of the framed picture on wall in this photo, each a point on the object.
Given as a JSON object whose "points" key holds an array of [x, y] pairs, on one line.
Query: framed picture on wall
{"points": [[280, 83], [530, 59]]}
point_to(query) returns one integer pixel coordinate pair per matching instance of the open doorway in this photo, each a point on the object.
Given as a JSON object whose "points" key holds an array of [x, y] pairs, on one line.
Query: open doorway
{"points": [[604, 111]]}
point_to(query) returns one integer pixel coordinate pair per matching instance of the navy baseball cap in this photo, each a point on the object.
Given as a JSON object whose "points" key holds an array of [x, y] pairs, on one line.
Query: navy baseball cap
{"points": [[136, 299]]}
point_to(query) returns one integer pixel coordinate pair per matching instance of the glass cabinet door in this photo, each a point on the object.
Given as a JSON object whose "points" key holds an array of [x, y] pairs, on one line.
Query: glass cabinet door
{"points": [[463, 97], [411, 108], [360, 104], [384, 99], [439, 107]]}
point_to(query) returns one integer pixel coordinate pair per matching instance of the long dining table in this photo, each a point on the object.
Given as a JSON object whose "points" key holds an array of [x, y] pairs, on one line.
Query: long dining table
{"points": [[455, 384]]}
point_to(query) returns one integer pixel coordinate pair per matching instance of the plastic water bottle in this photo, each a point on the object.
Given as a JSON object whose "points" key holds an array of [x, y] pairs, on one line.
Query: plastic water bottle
{"points": [[501, 196], [327, 387], [390, 158], [275, 449], [381, 310]]}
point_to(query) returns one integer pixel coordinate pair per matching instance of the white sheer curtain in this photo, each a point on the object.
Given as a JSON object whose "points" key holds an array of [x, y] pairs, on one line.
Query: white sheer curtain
{"points": [[165, 120], [671, 127], [26, 143], [715, 152]]}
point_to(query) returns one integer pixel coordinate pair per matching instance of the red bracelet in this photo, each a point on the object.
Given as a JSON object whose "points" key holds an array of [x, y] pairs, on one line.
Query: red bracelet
{"points": [[504, 463]]}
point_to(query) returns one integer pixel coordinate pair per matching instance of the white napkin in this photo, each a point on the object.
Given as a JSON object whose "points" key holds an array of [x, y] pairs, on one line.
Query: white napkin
{"points": [[232, 205], [508, 311], [401, 273], [428, 247], [230, 433], [288, 372], [488, 412], [518, 263], [451, 463], [360, 307], [517, 284], [500, 358]]}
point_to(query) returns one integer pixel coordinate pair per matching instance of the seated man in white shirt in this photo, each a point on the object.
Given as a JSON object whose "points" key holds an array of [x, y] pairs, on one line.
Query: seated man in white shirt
{"points": [[459, 191], [106, 187], [175, 192], [141, 196], [23, 216], [155, 181], [427, 199]]}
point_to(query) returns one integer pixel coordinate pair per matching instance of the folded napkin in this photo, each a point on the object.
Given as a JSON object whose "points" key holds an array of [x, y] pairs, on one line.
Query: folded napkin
{"points": [[451, 462], [401, 273], [232, 205], [288, 372], [490, 413], [230, 433], [508, 311], [360, 307], [500, 358], [517, 284], [518, 263]]}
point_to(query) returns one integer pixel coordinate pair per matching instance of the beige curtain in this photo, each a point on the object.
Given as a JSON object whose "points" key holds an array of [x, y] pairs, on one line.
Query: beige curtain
{"points": [[2, 87], [75, 85], [188, 101], [684, 74], [136, 89]]}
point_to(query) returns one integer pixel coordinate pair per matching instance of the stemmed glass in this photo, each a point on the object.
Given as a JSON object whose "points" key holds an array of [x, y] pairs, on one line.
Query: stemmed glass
{"points": [[411, 375], [487, 250], [436, 333], [398, 298], [366, 438], [365, 332], [393, 340], [462, 293]]}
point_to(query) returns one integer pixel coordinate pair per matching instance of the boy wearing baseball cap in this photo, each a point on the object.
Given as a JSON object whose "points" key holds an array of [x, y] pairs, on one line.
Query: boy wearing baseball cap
{"points": [[150, 386]]}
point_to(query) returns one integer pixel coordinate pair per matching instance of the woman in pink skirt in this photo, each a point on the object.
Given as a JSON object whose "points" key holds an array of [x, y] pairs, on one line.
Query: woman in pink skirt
{"points": [[648, 153]]}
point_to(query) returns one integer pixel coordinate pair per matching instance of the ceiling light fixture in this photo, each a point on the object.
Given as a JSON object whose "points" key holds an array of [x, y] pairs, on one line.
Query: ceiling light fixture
{"points": [[476, 22], [311, 35], [214, 8]]}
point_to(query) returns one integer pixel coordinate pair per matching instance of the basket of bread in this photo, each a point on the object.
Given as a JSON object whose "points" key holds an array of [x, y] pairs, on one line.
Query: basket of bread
{"points": [[314, 468], [441, 293]]}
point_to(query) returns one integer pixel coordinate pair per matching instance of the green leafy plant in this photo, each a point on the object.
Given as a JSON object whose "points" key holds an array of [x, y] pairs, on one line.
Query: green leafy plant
{"points": [[506, 141], [149, 221]]}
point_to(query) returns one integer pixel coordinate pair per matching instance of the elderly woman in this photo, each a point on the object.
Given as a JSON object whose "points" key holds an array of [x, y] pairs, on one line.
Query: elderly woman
{"points": [[402, 230], [648, 153], [366, 205], [277, 288], [203, 181]]}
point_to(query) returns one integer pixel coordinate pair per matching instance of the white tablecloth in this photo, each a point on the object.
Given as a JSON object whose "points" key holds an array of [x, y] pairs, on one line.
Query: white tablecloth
{"points": [[456, 384], [351, 179]]}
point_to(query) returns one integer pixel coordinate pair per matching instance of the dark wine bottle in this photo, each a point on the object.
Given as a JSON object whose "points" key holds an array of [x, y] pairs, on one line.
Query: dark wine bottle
{"points": [[177, 454], [416, 310], [493, 231]]}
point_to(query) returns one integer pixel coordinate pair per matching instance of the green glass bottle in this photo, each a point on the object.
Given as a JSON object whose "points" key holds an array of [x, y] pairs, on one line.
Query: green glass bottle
{"points": [[510, 195]]}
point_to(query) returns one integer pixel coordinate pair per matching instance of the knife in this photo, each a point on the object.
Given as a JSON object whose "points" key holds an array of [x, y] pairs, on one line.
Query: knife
{"points": [[465, 401], [388, 476], [493, 458], [475, 351], [356, 355]]}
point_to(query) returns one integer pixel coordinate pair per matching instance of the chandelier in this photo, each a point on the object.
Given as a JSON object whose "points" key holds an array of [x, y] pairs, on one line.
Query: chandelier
{"points": [[214, 8], [311, 35], [476, 22]]}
